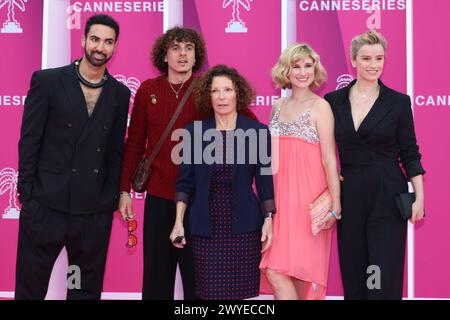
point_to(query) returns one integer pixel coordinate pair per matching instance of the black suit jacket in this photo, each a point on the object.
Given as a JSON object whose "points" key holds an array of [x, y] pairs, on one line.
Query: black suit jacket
{"points": [[69, 161], [386, 135]]}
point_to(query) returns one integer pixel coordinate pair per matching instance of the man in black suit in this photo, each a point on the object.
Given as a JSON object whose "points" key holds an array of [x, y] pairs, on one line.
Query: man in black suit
{"points": [[70, 155]]}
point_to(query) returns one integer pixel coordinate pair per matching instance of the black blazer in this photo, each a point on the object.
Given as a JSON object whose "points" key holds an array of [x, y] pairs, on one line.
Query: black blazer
{"points": [[69, 161], [385, 137], [248, 209]]}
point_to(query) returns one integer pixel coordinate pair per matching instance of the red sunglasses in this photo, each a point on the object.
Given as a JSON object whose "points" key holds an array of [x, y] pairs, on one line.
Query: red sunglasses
{"points": [[132, 239]]}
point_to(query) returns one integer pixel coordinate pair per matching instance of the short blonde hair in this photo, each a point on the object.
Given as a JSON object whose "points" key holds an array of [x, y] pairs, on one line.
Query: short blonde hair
{"points": [[367, 38], [290, 55]]}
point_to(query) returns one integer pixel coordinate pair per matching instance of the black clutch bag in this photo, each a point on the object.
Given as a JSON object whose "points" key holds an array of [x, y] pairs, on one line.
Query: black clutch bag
{"points": [[404, 203]]}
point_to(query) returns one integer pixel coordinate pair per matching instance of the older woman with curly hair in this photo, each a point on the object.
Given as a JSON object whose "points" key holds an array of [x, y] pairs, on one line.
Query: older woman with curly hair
{"points": [[229, 224]]}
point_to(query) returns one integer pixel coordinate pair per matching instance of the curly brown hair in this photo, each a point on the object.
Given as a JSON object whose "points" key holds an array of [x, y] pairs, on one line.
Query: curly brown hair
{"points": [[178, 34], [244, 92]]}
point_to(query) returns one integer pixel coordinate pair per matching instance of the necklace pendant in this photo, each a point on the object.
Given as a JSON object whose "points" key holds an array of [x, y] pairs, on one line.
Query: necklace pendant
{"points": [[176, 91]]}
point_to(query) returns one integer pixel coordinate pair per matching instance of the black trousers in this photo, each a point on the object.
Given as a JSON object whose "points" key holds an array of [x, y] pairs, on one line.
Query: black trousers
{"points": [[371, 233], [160, 256], [43, 232]]}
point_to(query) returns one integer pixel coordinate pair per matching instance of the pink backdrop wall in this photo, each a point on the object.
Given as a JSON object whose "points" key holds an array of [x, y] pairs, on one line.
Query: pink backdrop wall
{"points": [[253, 53], [432, 118], [20, 56]]}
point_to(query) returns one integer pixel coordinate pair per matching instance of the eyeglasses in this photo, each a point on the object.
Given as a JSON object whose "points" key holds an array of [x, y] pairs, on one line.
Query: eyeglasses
{"points": [[132, 239], [218, 93]]}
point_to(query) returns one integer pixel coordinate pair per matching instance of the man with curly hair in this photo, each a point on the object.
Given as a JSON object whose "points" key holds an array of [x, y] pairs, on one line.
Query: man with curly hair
{"points": [[177, 54]]}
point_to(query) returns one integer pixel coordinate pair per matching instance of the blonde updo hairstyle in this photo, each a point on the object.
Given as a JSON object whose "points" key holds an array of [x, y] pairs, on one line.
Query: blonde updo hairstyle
{"points": [[292, 54], [370, 37]]}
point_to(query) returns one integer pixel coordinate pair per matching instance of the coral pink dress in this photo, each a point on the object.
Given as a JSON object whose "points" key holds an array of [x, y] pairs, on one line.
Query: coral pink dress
{"points": [[299, 178]]}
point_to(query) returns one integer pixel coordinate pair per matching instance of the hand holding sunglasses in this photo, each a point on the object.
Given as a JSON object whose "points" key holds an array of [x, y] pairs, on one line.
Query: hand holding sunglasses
{"points": [[132, 239]]}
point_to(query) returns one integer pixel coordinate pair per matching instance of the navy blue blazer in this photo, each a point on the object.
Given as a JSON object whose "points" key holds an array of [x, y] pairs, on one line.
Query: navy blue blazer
{"points": [[248, 209]]}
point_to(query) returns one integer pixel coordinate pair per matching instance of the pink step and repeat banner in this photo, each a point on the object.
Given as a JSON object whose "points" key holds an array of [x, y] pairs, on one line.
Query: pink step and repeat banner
{"points": [[20, 55], [246, 35], [432, 118]]}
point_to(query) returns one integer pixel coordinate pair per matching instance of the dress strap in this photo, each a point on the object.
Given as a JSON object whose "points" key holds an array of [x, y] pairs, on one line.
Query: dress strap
{"points": [[276, 115], [278, 110]]}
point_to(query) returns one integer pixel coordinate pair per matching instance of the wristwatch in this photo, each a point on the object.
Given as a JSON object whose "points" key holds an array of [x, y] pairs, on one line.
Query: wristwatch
{"points": [[268, 215]]}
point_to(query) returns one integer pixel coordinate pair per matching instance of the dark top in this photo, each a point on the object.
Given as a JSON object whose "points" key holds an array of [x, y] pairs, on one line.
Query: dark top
{"points": [[213, 256], [194, 181], [385, 136], [69, 161]]}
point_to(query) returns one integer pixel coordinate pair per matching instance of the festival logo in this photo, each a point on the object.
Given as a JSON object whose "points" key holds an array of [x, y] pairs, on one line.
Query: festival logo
{"points": [[73, 19], [8, 182], [11, 25], [133, 84], [236, 25], [343, 81]]}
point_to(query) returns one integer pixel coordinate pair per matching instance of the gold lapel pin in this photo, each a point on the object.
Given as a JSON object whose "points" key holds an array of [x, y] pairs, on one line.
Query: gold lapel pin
{"points": [[153, 98]]}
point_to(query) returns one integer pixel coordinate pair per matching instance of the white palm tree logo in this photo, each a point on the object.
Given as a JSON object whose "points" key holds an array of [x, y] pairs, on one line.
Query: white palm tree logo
{"points": [[8, 181], [11, 25], [236, 24]]}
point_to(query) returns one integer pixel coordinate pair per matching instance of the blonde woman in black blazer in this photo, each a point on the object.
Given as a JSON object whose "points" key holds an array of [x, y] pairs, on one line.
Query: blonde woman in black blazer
{"points": [[375, 134]]}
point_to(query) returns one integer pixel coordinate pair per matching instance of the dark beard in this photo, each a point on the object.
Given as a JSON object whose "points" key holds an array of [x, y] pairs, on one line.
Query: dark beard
{"points": [[93, 61]]}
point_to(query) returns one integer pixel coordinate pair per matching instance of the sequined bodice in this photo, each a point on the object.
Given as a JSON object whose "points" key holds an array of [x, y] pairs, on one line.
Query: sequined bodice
{"points": [[301, 127]]}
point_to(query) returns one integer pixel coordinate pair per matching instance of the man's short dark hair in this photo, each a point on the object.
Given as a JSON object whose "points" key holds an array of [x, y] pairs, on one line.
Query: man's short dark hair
{"points": [[102, 19], [178, 34]]}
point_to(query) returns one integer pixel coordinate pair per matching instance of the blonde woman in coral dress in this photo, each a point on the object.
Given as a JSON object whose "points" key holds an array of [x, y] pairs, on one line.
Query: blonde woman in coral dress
{"points": [[302, 128]]}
